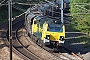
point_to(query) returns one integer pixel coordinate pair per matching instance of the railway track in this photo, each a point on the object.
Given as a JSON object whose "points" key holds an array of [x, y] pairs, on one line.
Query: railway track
{"points": [[74, 54], [48, 54], [28, 43], [62, 56], [22, 48], [3, 34], [18, 45], [68, 54], [22, 44], [18, 48]]}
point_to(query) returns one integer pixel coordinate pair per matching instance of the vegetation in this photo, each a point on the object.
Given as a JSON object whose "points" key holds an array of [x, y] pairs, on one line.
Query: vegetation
{"points": [[81, 15], [80, 20], [80, 1]]}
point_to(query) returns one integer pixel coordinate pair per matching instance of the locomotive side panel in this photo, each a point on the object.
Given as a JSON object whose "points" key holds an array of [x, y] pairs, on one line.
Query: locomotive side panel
{"points": [[28, 22]]}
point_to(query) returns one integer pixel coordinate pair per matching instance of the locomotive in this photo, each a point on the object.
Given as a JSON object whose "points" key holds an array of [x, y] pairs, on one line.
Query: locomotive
{"points": [[47, 29]]}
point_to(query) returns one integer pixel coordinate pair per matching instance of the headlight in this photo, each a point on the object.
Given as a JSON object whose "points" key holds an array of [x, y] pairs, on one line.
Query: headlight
{"points": [[61, 38], [48, 37]]}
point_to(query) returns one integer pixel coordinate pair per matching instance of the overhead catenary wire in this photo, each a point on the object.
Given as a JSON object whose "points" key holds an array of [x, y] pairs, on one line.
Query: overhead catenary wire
{"points": [[18, 8], [25, 3], [18, 16], [1, 3], [7, 3], [22, 14]]}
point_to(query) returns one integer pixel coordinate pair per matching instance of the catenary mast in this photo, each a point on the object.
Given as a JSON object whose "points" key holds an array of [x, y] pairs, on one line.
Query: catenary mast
{"points": [[10, 26], [62, 11]]}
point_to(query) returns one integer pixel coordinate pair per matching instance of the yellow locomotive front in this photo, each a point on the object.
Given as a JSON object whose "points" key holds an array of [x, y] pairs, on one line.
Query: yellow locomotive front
{"points": [[54, 32], [48, 30]]}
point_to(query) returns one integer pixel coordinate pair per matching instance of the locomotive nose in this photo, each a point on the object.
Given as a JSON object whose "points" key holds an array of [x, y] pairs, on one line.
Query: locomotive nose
{"points": [[54, 37]]}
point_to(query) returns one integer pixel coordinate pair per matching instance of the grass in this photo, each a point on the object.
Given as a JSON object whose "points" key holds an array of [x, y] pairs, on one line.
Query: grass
{"points": [[81, 23]]}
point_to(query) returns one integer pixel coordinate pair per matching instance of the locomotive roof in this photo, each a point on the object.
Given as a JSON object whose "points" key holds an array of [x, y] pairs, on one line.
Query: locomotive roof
{"points": [[45, 18], [48, 19]]}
